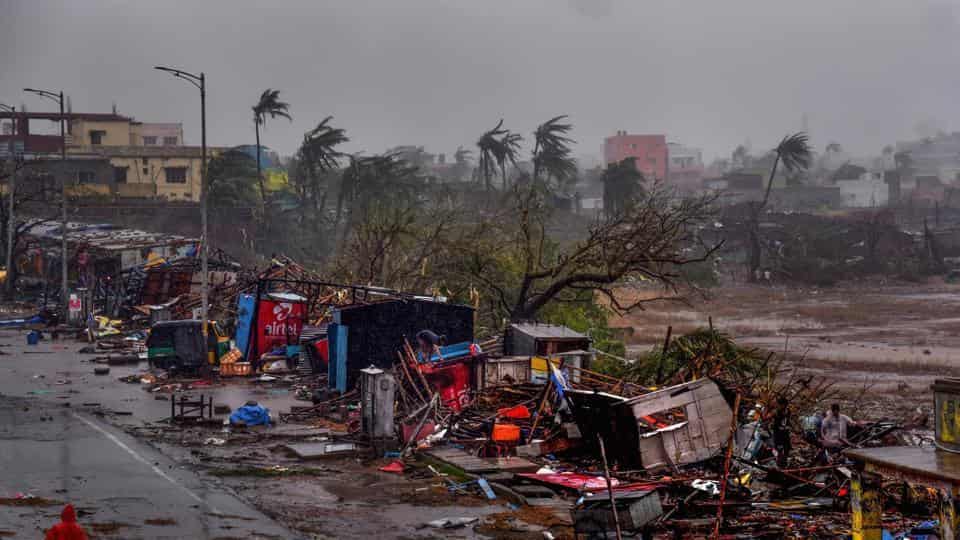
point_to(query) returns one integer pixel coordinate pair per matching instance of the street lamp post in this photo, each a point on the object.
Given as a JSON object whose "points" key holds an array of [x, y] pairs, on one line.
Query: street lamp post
{"points": [[11, 222], [200, 82], [64, 294]]}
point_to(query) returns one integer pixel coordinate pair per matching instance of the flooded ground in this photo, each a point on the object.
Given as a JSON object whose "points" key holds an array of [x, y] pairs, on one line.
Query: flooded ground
{"points": [[880, 343], [105, 445]]}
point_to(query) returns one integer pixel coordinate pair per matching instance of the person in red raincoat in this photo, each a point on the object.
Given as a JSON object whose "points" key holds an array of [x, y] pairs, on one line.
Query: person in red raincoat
{"points": [[67, 529]]}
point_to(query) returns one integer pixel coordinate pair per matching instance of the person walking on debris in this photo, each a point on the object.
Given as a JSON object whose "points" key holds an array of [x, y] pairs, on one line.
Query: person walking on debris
{"points": [[430, 344], [811, 428], [833, 432], [67, 529], [781, 432]]}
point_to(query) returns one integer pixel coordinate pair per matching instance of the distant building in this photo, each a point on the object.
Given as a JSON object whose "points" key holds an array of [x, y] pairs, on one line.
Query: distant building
{"points": [[868, 191], [147, 159], [685, 166], [650, 152], [161, 134], [736, 187], [935, 156]]}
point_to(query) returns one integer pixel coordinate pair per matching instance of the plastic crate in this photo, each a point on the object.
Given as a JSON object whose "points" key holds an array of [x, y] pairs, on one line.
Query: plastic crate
{"points": [[235, 369]]}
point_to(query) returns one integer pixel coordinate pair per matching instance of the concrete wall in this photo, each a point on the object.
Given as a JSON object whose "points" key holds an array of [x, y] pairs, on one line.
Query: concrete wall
{"points": [[161, 132], [47, 174], [152, 170], [117, 133]]}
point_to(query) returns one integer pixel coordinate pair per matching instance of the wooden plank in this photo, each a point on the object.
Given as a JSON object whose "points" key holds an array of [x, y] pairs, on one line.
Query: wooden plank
{"points": [[921, 463], [475, 465]]}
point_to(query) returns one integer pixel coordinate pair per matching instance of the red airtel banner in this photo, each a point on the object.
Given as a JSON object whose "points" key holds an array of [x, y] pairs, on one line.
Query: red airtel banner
{"points": [[278, 324]]}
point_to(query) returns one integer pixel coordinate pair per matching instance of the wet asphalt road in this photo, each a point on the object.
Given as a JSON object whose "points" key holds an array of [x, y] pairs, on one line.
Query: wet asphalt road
{"points": [[54, 447]]}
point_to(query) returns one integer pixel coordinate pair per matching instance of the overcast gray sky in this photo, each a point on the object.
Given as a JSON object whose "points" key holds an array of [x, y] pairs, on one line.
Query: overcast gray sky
{"points": [[708, 73]]}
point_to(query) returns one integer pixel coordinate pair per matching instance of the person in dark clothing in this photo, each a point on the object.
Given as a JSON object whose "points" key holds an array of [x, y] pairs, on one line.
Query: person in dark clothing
{"points": [[429, 343], [781, 432]]}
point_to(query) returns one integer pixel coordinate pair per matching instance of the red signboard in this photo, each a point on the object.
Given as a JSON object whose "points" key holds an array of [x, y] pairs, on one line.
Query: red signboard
{"points": [[574, 481], [452, 381], [278, 324]]}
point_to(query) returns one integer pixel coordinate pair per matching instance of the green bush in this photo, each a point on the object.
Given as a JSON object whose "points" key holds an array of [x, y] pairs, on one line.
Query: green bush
{"points": [[586, 316]]}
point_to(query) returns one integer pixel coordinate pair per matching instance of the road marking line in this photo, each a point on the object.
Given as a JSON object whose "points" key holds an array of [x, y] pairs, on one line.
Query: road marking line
{"points": [[143, 460]]}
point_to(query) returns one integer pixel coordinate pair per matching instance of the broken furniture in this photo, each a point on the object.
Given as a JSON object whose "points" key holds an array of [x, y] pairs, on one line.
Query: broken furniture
{"points": [[677, 425], [191, 409], [929, 467], [635, 510]]}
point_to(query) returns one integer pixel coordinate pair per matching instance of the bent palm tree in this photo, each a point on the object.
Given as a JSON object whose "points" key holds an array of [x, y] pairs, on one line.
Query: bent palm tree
{"points": [[622, 186], [551, 151], [490, 149], [317, 156], [794, 153], [268, 105], [507, 151]]}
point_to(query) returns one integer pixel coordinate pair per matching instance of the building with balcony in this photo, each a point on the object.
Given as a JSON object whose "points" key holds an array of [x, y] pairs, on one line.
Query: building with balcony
{"points": [[146, 159]]}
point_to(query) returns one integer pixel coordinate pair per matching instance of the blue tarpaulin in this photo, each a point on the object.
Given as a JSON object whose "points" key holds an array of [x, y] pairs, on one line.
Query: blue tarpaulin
{"points": [[450, 352], [36, 319], [251, 414]]}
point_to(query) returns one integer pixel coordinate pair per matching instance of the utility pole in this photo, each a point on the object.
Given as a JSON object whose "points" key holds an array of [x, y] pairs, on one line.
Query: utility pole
{"points": [[64, 293], [11, 222], [200, 82]]}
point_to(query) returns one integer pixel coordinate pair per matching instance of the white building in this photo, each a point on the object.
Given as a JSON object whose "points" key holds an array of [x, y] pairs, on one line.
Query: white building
{"points": [[868, 191]]}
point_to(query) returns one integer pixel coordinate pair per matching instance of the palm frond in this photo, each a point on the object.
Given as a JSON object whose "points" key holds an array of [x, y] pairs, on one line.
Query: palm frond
{"points": [[794, 152], [552, 152], [270, 105]]}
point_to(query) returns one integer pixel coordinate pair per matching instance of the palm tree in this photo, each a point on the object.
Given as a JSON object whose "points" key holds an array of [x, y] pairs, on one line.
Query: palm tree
{"points": [[508, 150], [268, 105], [551, 151], [387, 177], [794, 154], [621, 186], [490, 148], [317, 156]]}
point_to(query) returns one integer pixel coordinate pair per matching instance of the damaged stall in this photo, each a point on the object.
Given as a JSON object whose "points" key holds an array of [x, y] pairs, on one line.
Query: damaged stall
{"points": [[539, 339], [364, 335], [675, 426], [275, 311]]}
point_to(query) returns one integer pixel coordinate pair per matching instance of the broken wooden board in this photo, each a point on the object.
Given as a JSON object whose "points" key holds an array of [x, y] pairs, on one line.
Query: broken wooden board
{"points": [[321, 449], [476, 465]]}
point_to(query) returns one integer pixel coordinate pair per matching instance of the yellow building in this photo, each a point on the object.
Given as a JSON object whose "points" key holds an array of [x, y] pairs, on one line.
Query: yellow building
{"points": [[149, 160], [145, 159]]}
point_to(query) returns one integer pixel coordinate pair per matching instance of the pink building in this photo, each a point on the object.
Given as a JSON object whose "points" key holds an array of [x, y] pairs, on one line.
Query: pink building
{"points": [[650, 152]]}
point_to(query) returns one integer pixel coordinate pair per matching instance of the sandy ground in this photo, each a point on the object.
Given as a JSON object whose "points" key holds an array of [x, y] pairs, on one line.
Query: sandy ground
{"points": [[880, 340]]}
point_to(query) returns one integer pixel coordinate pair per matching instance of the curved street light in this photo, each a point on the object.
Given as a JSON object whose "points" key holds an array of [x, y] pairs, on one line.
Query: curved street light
{"points": [[58, 98], [199, 81]]}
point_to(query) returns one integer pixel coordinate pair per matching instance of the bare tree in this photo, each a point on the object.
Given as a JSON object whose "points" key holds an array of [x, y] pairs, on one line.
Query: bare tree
{"points": [[394, 245], [514, 260]]}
